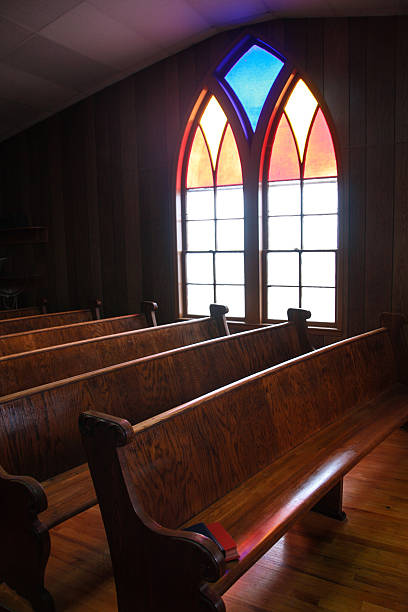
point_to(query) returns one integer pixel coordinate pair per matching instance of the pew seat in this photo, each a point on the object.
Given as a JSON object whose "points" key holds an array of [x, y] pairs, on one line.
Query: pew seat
{"points": [[254, 455], [40, 435]]}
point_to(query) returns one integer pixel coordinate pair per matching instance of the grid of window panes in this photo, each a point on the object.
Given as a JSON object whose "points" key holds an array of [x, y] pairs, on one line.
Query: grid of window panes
{"points": [[214, 256], [302, 248]]}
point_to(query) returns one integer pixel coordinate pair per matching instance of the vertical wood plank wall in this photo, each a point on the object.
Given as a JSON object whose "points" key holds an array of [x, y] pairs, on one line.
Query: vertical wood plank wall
{"points": [[101, 174]]}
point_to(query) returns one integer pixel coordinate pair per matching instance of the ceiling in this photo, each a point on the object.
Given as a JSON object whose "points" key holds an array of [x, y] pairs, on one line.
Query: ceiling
{"points": [[55, 52]]}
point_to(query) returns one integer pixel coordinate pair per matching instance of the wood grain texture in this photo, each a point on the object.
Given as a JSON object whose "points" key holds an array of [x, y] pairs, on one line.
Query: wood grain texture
{"points": [[43, 366], [21, 324], [52, 336], [254, 455], [20, 312], [137, 389], [319, 565], [46, 417]]}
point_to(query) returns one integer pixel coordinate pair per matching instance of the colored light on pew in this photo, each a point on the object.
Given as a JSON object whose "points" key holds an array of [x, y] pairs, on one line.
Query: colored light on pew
{"points": [[252, 77], [300, 109], [229, 170], [213, 123], [320, 159], [199, 173], [284, 164]]}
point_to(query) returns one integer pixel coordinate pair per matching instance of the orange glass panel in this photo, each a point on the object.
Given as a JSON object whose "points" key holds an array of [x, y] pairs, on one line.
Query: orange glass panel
{"points": [[199, 173], [229, 164], [284, 165], [320, 156]]}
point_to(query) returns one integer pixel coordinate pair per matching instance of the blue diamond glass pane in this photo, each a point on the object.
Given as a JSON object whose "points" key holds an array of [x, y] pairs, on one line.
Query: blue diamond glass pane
{"points": [[251, 78]]}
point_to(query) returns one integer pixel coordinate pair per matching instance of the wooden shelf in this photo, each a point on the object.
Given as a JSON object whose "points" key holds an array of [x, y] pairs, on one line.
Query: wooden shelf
{"points": [[24, 235]]}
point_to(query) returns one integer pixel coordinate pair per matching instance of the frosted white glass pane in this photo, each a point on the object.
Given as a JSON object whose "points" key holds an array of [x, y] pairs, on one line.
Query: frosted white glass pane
{"points": [[230, 202], [199, 268], [233, 297], [320, 232], [230, 235], [319, 269], [283, 269], [321, 303], [300, 109], [200, 235], [229, 268], [199, 298], [284, 233], [320, 196], [284, 198], [200, 204], [280, 299], [213, 122]]}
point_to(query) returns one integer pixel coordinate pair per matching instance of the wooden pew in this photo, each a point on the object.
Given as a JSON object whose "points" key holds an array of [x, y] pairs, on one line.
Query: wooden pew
{"points": [[28, 311], [254, 456], [53, 336], [40, 321], [34, 368], [39, 435]]}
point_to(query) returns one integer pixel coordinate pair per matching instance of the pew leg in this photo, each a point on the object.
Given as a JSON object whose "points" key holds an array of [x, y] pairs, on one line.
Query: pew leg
{"points": [[25, 541], [332, 503]]}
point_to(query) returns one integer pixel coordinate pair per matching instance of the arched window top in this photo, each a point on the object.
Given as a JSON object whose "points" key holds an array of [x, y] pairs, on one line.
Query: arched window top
{"points": [[248, 78], [214, 157], [220, 166]]}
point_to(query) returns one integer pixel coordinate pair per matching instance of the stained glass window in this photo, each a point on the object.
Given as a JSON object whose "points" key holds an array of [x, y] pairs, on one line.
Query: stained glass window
{"points": [[251, 79], [221, 165], [302, 209], [214, 225]]}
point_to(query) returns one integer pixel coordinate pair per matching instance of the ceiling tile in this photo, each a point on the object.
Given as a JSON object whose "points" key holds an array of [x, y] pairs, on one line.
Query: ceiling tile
{"points": [[35, 14], [94, 34], [25, 88], [11, 36], [301, 8], [58, 64], [228, 12], [162, 21]]}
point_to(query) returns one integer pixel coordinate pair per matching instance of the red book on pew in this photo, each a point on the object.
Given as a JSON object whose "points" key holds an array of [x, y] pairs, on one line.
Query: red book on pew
{"points": [[217, 533]]}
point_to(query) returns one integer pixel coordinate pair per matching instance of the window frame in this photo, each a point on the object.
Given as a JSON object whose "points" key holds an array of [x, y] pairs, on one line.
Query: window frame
{"points": [[254, 150]]}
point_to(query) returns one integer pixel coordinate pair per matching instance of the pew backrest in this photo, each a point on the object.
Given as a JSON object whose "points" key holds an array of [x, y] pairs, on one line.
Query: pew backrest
{"points": [[63, 334], [201, 450], [40, 321], [28, 311], [34, 368], [135, 390]]}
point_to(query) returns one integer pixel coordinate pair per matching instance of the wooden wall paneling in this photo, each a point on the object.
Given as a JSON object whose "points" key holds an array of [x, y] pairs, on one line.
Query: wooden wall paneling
{"points": [[400, 259], [110, 199], [80, 202], [131, 204], [296, 42], [57, 291], [314, 53], [355, 241], [400, 267], [401, 99], [380, 167], [155, 195]]}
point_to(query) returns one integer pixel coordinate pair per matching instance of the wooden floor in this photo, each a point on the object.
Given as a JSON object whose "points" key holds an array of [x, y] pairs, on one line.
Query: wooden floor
{"points": [[358, 565]]}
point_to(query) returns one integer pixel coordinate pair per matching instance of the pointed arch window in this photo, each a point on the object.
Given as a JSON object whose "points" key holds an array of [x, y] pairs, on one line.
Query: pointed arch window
{"points": [[214, 217], [258, 118]]}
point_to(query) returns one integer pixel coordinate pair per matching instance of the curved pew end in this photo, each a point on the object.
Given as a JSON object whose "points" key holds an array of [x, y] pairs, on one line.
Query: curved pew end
{"points": [[25, 540], [173, 563]]}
